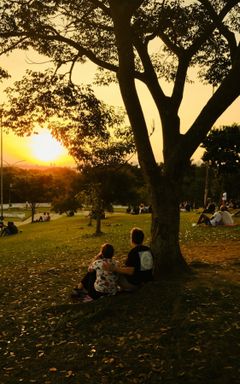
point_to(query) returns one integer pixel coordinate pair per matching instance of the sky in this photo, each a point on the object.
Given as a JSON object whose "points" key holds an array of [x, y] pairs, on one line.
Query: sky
{"points": [[43, 150]]}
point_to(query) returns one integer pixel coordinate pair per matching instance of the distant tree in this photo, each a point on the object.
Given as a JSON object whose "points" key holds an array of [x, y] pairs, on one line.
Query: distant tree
{"points": [[119, 37], [32, 189], [222, 149], [9, 176], [66, 204], [104, 185], [222, 153]]}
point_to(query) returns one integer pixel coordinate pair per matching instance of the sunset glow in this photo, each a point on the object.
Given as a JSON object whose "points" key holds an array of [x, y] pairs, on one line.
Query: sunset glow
{"points": [[46, 148]]}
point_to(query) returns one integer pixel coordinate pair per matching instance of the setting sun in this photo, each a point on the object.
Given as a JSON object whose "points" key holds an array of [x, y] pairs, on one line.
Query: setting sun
{"points": [[46, 148]]}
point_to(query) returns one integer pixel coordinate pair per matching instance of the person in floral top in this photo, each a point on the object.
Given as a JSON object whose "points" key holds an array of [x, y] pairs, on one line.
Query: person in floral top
{"points": [[99, 282], [106, 281]]}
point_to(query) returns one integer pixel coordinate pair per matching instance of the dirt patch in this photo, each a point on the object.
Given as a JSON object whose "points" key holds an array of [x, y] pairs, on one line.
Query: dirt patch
{"points": [[216, 253], [215, 261]]}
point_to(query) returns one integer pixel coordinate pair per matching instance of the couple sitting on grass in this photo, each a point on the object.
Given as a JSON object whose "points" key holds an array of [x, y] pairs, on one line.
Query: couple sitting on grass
{"points": [[221, 217], [105, 277]]}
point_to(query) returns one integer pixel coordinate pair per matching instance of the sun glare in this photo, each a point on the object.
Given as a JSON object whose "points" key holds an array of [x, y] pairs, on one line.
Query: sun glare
{"points": [[46, 148]]}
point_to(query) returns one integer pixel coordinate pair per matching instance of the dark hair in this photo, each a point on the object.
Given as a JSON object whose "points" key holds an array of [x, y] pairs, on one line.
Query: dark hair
{"points": [[137, 236], [107, 251], [223, 208]]}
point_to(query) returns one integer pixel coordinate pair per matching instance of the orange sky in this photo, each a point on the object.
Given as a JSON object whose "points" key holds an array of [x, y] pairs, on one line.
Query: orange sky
{"points": [[17, 149]]}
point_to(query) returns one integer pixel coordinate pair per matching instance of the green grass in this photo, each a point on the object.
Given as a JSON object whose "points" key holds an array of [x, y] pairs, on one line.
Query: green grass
{"points": [[186, 331]]}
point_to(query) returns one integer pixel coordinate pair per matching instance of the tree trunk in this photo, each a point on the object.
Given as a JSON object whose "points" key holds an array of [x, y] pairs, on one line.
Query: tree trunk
{"points": [[98, 224], [33, 210], [165, 229]]}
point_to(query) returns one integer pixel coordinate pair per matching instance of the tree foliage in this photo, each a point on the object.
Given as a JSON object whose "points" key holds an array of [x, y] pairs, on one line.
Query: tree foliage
{"points": [[92, 132], [222, 149], [222, 154], [34, 189], [55, 181]]}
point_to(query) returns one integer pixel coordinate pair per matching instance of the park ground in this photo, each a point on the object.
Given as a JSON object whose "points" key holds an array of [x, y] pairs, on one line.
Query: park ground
{"points": [[182, 331]]}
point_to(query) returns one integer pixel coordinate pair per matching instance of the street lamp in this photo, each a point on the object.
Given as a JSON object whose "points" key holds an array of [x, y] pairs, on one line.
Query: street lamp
{"points": [[1, 161]]}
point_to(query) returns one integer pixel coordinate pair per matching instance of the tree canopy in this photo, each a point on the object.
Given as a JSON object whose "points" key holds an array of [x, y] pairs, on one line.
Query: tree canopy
{"points": [[92, 132], [118, 36], [222, 149]]}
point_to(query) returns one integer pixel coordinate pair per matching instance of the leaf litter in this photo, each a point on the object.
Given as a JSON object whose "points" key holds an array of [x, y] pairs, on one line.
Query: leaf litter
{"points": [[169, 332]]}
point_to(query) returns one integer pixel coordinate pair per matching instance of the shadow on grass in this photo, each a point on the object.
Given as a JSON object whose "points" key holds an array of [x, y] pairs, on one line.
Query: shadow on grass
{"points": [[167, 332]]}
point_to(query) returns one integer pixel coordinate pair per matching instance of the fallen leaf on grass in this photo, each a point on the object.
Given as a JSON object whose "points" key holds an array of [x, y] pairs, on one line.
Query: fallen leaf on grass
{"points": [[53, 369], [69, 374]]}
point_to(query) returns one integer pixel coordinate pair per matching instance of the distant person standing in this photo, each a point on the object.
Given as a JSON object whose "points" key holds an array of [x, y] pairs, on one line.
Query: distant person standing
{"points": [[224, 198]]}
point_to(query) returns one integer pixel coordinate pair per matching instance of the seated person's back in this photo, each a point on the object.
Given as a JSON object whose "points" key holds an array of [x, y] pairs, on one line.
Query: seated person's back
{"points": [[141, 259], [10, 229], [227, 218], [216, 219], [210, 208], [222, 217]]}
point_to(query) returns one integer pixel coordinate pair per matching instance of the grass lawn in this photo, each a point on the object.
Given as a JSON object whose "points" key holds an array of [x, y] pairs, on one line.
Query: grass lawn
{"points": [[185, 331]]}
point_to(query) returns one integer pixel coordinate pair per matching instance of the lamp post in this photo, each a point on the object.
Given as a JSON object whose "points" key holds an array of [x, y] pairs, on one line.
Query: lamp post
{"points": [[1, 165]]}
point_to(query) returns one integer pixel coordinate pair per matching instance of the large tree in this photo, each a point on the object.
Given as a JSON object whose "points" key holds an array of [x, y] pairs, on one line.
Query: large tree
{"points": [[116, 36]]}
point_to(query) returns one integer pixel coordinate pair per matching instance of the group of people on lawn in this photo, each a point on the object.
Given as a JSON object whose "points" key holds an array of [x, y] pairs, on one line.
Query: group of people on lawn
{"points": [[46, 217], [9, 229], [220, 217], [106, 277]]}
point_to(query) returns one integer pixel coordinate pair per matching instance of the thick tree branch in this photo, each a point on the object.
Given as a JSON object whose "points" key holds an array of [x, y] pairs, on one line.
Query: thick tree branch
{"points": [[127, 7], [186, 56], [86, 52], [200, 40], [150, 77], [171, 46], [13, 46], [127, 85], [225, 95], [218, 22], [180, 81]]}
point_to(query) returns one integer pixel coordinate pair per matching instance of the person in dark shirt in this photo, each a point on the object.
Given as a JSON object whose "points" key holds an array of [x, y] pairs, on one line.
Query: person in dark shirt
{"points": [[10, 229], [210, 207], [138, 268]]}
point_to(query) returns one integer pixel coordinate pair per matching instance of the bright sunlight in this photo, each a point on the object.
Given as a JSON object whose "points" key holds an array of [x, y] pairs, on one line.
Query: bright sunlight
{"points": [[46, 148]]}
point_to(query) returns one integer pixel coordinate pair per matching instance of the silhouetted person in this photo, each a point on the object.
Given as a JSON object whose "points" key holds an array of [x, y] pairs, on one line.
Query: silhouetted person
{"points": [[10, 229]]}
